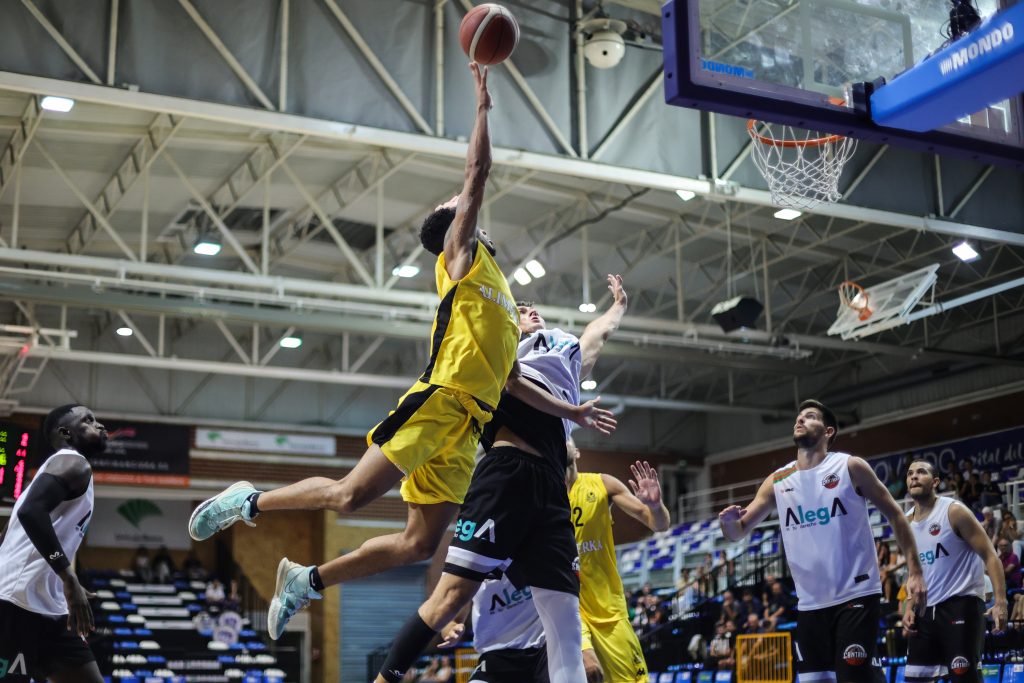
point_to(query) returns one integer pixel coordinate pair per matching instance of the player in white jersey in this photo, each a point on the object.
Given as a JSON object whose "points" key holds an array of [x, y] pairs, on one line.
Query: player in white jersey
{"points": [[955, 553], [44, 611], [822, 501], [516, 514], [507, 633]]}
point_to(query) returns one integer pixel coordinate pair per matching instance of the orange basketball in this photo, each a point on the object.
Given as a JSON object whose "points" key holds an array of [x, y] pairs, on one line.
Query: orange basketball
{"points": [[488, 34]]}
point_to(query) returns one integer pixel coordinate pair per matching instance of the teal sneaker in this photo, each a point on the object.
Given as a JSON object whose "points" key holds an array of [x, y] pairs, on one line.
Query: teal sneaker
{"points": [[221, 511], [293, 593]]}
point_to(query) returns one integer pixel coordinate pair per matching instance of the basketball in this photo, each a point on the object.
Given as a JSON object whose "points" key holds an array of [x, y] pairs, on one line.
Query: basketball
{"points": [[488, 34]]}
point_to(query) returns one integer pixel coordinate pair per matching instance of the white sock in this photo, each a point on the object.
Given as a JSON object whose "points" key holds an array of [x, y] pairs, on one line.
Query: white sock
{"points": [[560, 614]]}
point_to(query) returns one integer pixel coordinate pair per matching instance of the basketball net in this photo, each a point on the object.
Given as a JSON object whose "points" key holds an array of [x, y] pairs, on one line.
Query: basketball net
{"points": [[853, 296], [802, 168]]}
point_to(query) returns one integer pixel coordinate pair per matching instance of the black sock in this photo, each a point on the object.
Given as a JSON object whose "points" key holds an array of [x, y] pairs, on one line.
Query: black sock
{"points": [[408, 645], [315, 582], [253, 507]]}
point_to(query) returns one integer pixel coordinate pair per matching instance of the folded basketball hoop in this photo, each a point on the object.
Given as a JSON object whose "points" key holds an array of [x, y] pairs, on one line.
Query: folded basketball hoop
{"points": [[802, 168], [853, 296]]}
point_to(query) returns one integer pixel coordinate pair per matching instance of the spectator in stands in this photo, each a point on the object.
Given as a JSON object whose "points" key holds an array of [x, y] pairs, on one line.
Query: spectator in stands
{"points": [[720, 654], [233, 601], [142, 565], [163, 565], [972, 491], [1008, 527], [991, 494], [968, 468], [439, 671], [685, 599], [730, 608], [887, 571], [959, 484], [194, 569], [989, 524], [779, 605], [215, 593], [750, 605], [1011, 563], [753, 624]]}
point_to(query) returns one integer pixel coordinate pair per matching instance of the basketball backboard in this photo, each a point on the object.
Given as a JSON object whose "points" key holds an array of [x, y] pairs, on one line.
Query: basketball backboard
{"points": [[890, 303], [787, 61]]}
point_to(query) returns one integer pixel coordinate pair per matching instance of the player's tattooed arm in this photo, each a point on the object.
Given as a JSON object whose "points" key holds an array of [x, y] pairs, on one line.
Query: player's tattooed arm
{"points": [[967, 527], [460, 247], [736, 522], [598, 332]]}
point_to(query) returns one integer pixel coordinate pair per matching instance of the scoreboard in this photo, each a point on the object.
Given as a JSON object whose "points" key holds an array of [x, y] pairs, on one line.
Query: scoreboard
{"points": [[14, 448]]}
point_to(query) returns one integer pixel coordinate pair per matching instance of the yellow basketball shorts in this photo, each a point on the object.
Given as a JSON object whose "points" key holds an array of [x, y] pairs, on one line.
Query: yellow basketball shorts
{"points": [[432, 437], [618, 650]]}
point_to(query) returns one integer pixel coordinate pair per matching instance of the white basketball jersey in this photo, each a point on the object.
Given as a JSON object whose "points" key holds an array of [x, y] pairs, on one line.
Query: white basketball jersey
{"points": [[505, 618], [826, 532], [951, 567], [553, 358], [26, 579]]}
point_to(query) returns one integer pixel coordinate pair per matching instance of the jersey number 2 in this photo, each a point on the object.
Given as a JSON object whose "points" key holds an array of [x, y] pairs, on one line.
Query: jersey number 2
{"points": [[578, 514]]}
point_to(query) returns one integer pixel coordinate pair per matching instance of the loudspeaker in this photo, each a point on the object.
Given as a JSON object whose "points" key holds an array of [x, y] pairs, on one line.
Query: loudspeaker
{"points": [[733, 314]]}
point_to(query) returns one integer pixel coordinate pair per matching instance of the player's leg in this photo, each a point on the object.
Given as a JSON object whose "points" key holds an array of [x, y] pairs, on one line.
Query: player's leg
{"points": [[924, 651], [814, 648], [560, 614], [962, 638], [619, 651], [84, 673], [591, 663], [65, 657], [856, 641]]}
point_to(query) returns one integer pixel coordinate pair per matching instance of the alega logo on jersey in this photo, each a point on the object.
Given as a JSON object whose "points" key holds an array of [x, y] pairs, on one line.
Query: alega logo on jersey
{"points": [[15, 666], [930, 556], [505, 600], [466, 529], [814, 517]]}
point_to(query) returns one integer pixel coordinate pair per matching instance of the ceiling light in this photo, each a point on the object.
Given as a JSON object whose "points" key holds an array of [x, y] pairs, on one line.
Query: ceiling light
{"points": [[535, 268], [522, 277], [588, 308], [788, 214], [207, 246], [738, 313], [290, 342], [58, 104], [405, 271], [965, 252], [124, 331], [686, 195], [588, 385]]}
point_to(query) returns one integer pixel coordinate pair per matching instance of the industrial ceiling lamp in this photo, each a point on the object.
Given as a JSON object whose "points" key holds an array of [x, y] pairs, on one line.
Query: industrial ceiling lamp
{"points": [[738, 313]]}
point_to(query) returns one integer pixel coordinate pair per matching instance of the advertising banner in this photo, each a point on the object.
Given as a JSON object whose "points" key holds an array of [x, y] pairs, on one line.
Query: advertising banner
{"points": [[265, 442], [140, 522], [993, 451]]}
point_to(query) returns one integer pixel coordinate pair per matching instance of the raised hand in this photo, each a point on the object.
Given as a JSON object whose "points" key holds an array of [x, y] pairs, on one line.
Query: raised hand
{"points": [[483, 96], [589, 415], [645, 484], [618, 292], [451, 634]]}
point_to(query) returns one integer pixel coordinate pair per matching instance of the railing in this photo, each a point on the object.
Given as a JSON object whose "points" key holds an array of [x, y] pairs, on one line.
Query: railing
{"points": [[706, 503], [764, 658]]}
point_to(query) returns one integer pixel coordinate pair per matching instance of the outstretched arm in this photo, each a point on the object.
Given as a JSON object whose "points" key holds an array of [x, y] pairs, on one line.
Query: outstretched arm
{"points": [[460, 245], [736, 522], [644, 502], [585, 415], [598, 331], [66, 478]]}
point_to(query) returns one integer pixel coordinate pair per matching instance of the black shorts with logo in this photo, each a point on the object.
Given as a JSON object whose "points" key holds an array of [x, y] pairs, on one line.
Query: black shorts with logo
{"points": [[949, 640], [512, 666], [37, 645], [516, 518], [838, 643]]}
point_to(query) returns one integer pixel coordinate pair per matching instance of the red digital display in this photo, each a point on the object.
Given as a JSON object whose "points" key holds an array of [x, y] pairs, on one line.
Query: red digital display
{"points": [[14, 447]]}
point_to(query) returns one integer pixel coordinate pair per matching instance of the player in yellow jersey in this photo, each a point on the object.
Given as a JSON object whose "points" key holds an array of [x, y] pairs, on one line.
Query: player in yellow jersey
{"points": [[611, 650], [429, 441]]}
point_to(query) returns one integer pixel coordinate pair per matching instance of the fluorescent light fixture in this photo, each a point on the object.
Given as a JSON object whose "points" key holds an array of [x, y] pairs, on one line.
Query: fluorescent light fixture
{"points": [[535, 268], [207, 247], [788, 214], [685, 195], [58, 104], [522, 277], [965, 252], [405, 271], [588, 308], [588, 385], [124, 332], [290, 342]]}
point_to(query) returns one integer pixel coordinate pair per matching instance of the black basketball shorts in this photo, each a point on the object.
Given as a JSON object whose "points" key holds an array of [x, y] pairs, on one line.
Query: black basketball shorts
{"points": [[949, 640], [512, 666], [516, 518], [838, 643], [37, 645]]}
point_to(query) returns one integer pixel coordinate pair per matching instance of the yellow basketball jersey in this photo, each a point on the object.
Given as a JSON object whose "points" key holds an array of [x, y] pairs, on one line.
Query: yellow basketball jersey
{"points": [[601, 595], [475, 332]]}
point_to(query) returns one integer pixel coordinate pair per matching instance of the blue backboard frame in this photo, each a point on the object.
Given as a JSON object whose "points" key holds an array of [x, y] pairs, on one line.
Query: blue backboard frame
{"points": [[725, 90]]}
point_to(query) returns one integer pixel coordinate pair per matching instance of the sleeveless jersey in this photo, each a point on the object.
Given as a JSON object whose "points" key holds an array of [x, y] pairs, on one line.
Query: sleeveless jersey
{"points": [[27, 580], [504, 618], [951, 567], [553, 358], [475, 331], [602, 599], [826, 532]]}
